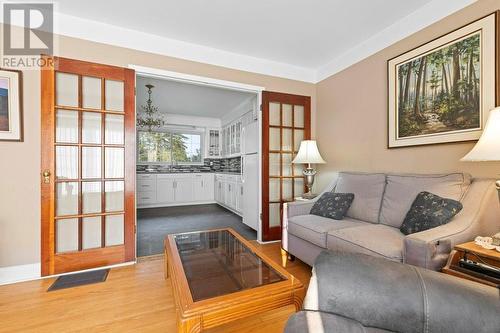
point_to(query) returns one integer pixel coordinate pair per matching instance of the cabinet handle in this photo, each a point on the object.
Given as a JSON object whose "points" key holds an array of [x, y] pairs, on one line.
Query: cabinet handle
{"points": [[229, 187], [202, 184], [145, 185], [241, 190], [145, 198]]}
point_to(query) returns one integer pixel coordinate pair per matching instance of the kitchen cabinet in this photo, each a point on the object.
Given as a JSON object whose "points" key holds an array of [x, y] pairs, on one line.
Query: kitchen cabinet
{"points": [[213, 146], [162, 190], [228, 192], [183, 187], [231, 139], [165, 189]]}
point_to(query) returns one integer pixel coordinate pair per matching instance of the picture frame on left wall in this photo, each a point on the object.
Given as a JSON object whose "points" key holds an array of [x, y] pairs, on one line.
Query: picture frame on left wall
{"points": [[11, 107]]}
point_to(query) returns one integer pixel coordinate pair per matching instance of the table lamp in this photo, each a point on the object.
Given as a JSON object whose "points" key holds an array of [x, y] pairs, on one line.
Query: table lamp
{"points": [[308, 154], [488, 146]]}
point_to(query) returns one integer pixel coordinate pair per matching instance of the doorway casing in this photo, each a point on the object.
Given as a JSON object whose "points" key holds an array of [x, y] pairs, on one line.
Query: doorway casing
{"points": [[216, 83]]}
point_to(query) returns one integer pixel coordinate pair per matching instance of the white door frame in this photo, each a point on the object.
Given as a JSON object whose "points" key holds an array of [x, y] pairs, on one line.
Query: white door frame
{"points": [[207, 81]]}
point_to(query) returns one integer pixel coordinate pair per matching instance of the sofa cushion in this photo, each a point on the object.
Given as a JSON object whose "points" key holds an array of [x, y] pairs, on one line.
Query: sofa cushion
{"points": [[401, 191], [332, 205], [368, 190], [378, 240], [429, 211], [314, 228]]}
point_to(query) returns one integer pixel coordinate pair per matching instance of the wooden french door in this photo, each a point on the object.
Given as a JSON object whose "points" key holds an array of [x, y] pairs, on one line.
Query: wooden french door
{"points": [[286, 121], [87, 167]]}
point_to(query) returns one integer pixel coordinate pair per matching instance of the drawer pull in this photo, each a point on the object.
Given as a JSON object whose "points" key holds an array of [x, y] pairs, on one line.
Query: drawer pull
{"points": [[145, 198]]}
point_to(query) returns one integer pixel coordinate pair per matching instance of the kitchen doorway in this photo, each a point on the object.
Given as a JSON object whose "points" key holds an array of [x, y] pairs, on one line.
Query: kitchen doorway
{"points": [[198, 160]]}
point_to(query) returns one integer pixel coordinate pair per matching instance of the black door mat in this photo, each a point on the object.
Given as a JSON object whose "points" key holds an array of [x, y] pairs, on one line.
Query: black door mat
{"points": [[79, 279]]}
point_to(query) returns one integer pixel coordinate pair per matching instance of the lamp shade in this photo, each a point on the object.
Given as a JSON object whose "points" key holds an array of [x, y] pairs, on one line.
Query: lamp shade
{"points": [[488, 146], [308, 153]]}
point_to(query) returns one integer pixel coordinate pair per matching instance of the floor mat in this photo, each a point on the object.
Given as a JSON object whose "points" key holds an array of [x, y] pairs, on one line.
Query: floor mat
{"points": [[79, 279]]}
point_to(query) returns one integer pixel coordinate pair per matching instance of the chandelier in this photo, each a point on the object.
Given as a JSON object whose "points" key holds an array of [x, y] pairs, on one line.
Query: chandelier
{"points": [[150, 117]]}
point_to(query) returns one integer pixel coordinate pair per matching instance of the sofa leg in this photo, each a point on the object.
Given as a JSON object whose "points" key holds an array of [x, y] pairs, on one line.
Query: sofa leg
{"points": [[291, 257]]}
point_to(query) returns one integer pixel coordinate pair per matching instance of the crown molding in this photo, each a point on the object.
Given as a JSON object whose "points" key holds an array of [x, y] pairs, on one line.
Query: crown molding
{"points": [[426, 15], [110, 34]]}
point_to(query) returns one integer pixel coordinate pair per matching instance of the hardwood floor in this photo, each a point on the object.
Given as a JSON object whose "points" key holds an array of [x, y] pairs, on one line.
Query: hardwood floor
{"points": [[133, 299]]}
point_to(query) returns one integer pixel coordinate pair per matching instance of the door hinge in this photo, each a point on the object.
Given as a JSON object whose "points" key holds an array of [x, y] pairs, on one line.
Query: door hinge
{"points": [[261, 107], [135, 228], [260, 216], [135, 91]]}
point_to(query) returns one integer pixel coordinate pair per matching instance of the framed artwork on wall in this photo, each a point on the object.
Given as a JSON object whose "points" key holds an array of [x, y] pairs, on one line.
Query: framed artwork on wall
{"points": [[11, 113], [442, 91]]}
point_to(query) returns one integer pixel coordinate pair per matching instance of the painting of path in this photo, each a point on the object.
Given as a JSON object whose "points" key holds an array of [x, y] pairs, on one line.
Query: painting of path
{"points": [[439, 92], [4, 104]]}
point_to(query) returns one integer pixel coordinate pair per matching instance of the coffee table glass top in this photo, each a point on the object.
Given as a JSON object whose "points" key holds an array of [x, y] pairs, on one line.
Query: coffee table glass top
{"points": [[216, 263]]}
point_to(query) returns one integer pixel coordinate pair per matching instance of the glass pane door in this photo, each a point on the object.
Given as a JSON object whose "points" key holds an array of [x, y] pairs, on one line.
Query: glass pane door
{"points": [[286, 122], [89, 149], [91, 220]]}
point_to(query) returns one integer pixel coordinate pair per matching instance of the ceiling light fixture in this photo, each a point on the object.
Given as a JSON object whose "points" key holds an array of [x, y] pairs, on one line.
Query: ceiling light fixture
{"points": [[150, 117]]}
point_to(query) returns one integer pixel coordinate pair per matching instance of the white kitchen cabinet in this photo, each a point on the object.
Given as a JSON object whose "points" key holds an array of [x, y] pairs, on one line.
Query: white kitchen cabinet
{"points": [[213, 146], [184, 189], [228, 192], [203, 187], [239, 197], [165, 189], [231, 139], [161, 190]]}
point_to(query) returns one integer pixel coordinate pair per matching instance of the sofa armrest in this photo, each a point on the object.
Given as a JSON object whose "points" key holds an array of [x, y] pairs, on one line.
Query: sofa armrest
{"points": [[399, 298], [479, 217], [297, 208]]}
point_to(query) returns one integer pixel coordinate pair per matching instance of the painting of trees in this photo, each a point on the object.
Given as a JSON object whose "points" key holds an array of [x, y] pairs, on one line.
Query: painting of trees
{"points": [[439, 92]]}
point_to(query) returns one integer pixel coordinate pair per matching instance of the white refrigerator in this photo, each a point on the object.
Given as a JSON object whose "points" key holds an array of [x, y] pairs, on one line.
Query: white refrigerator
{"points": [[250, 175]]}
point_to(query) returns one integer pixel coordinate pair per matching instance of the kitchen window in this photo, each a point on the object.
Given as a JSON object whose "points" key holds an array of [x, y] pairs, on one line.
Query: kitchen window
{"points": [[170, 147]]}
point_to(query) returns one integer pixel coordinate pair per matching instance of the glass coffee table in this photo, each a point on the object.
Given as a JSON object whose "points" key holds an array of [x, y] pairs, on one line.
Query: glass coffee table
{"points": [[217, 277]]}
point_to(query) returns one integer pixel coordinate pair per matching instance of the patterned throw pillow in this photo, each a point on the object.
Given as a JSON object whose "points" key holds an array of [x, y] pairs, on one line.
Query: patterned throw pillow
{"points": [[429, 211], [333, 205]]}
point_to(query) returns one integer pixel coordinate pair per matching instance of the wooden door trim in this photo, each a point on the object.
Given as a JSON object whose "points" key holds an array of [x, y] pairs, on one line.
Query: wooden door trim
{"points": [[110, 255], [47, 163], [274, 233]]}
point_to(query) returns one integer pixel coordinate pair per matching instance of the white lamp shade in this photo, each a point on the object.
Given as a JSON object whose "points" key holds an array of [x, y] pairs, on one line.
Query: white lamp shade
{"points": [[308, 153], [488, 146]]}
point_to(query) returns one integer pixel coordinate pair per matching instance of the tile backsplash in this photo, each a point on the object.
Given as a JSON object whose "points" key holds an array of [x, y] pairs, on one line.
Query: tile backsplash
{"points": [[209, 165]]}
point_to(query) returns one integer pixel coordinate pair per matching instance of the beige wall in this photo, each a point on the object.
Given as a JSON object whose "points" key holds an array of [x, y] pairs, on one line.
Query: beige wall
{"points": [[352, 115], [20, 162]]}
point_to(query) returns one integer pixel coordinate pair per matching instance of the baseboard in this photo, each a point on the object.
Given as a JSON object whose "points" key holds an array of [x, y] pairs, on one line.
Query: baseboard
{"points": [[20, 273], [159, 205], [23, 273]]}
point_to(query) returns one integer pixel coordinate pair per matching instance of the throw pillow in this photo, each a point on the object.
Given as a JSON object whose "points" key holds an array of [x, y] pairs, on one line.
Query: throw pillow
{"points": [[333, 205], [429, 211]]}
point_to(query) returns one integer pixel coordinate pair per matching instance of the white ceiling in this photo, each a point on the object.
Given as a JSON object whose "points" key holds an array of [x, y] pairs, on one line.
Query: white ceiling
{"points": [[189, 99], [306, 40]]}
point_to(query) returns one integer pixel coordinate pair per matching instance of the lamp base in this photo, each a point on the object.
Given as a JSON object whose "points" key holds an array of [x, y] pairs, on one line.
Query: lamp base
{"points": [[309, 174]]}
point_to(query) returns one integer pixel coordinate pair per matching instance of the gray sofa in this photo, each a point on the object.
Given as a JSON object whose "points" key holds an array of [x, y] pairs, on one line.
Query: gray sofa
{"points": [[371, 225], [359, 293]]}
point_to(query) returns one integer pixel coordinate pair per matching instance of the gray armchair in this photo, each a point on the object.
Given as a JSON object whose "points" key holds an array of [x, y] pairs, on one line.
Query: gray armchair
{"points": [[352, 292]]}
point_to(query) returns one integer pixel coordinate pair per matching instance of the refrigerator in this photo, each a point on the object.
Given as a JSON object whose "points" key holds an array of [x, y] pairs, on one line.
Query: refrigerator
{"points": [[250, 175]]}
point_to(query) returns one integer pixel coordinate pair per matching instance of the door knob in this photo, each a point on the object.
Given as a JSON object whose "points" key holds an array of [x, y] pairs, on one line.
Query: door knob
{"points": [[46, 176]]}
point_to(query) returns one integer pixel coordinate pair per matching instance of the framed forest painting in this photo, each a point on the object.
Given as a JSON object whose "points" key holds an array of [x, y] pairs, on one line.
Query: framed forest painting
{"points": [[442, 91], [11, 128]]}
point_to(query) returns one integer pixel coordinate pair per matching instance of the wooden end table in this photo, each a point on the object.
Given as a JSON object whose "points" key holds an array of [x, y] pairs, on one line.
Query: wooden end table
{"points": [[478, 254], [218, 276]]}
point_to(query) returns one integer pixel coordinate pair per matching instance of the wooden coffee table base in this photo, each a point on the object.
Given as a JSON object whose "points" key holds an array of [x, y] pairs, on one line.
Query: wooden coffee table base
{"points": [[212, 312]]}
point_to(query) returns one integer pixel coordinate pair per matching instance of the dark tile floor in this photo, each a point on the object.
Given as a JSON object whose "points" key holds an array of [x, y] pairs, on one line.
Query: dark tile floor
{"points": [[153, 224]]}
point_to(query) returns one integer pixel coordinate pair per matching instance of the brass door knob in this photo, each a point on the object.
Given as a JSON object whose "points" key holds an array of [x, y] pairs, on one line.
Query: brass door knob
{"points": [[46, 176]]}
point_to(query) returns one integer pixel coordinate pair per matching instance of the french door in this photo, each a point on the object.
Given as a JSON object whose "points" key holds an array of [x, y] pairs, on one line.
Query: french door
{"points": [[88, 169], [286, 121]]}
